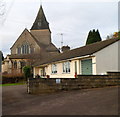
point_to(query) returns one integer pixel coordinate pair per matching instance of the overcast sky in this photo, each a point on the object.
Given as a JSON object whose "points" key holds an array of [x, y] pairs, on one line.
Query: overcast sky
{"points": [[73, 18]]}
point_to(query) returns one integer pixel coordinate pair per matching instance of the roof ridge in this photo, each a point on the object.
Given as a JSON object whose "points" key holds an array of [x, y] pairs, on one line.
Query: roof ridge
{"points": [[95, 43]]}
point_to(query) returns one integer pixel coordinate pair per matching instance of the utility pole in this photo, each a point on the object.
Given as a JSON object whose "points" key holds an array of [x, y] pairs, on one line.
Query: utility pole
{"points": [[61, 39]]}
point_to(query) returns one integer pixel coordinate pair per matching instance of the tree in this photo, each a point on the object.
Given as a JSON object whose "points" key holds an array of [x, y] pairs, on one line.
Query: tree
{"points": [[27, 72], [2, 57], [98, 36], [114, 35], [93, 36]]}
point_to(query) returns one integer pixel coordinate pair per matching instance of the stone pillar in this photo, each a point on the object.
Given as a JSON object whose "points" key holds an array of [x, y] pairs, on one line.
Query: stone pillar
{"points": [[10, 66], [19, 66]]}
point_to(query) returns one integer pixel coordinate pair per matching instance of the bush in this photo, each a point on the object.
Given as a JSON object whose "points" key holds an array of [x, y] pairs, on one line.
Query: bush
{"points": [[27, 72]]}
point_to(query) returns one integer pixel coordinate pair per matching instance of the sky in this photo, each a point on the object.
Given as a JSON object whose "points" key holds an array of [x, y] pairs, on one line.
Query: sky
{"points": [[73, 18]]}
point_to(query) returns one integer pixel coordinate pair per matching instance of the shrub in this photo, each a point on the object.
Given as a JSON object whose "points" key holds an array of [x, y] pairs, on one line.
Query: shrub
{"points": [[11, 77], [27, 72]]}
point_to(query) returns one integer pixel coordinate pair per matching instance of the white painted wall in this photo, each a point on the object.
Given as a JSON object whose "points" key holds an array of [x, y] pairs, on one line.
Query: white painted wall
{"points": [[60, 73], [36, 71], [94, 65], [107, 59]]}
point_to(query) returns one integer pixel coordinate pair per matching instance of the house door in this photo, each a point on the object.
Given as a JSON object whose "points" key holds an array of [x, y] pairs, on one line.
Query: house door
{"points": [[43, 72], [86, 67]]}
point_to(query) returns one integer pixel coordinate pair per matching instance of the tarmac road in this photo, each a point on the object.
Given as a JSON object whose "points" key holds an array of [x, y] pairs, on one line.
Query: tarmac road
{"points": [[99, 101]]}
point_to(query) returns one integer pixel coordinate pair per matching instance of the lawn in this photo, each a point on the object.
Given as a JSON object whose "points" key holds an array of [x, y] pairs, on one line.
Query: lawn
{"points": [[13, 84]]}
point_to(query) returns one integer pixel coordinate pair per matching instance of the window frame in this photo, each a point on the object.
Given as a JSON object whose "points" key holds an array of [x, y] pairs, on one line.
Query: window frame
{"points": [[66, 67], [54, 69]]}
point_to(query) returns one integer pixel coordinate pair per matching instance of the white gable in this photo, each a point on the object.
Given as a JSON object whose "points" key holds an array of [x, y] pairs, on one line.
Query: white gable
{"points": [[107, 59]]}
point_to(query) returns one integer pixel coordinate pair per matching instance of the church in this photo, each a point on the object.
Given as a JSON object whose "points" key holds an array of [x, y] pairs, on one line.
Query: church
{"points": [[31, 46]]}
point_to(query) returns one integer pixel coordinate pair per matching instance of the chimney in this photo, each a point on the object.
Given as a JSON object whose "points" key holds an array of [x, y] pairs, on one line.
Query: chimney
{"points": [[65, 48]]}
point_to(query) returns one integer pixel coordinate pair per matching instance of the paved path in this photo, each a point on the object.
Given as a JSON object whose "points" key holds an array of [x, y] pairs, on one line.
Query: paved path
{"points": [[101, 101]]}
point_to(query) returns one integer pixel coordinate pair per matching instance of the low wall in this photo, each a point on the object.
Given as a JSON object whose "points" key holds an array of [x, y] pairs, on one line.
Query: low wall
{"points": [[48, 85]]}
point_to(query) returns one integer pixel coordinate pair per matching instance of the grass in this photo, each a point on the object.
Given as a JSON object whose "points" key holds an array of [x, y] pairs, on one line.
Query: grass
{"points": [[13, 84]]}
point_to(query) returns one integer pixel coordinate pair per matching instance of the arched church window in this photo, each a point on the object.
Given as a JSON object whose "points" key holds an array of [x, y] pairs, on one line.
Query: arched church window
{"points": [[22, 49], [25, 48], [19, 50]]}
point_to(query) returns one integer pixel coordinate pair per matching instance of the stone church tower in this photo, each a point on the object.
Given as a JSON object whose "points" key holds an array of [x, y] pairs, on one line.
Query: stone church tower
{"points": [[40, 28], [31, 46]]}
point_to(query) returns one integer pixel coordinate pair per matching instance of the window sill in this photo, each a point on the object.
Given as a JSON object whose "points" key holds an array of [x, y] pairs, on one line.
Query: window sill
{"points": [[66, 73], [53, 73]]}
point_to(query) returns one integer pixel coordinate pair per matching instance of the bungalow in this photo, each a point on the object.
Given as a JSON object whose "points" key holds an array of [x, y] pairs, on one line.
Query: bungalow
{"points": [[97, 58]]}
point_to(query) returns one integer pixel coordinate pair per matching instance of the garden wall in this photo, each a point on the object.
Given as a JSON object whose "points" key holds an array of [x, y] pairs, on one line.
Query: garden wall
{"points": [[48, 85]]}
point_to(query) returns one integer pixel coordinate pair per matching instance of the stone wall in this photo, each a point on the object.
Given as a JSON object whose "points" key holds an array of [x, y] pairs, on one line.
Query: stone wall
{"points": [[48, 85]]}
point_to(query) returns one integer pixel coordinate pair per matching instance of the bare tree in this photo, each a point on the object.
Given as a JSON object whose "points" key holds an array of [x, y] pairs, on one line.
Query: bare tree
{"points": [[2, 11], [2, 7]]}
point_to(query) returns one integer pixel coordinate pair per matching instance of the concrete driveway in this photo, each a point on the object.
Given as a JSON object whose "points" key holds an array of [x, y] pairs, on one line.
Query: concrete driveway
{"points": [[99, 101]]}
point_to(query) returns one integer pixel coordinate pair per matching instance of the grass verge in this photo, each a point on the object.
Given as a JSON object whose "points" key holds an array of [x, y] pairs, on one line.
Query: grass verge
{"points": [[12, 84]]}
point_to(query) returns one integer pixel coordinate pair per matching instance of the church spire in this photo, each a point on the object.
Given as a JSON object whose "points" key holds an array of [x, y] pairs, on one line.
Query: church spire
{"points": [[40, 21]]}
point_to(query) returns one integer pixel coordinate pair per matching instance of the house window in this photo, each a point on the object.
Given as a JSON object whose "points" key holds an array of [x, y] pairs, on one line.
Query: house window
{"points": [[54, 68], [66, 67]]}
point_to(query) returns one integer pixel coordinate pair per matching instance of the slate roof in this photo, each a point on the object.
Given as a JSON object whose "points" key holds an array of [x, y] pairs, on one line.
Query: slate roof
{"points": [[19, 56], [40, 21], [52, 48], [79, 52], [36, 57]]}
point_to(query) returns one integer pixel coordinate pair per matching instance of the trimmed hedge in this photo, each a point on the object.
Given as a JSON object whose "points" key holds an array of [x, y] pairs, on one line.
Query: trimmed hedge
{"points": [[10, 78]]}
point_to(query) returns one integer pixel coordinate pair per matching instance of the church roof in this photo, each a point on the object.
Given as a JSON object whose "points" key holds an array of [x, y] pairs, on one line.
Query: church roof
{"points": [[52, 48], [40, 21]]}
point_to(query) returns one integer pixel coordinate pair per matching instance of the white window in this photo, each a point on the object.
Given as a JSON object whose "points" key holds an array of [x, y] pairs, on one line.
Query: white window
{"points": [[66, 67], [54, 68]]}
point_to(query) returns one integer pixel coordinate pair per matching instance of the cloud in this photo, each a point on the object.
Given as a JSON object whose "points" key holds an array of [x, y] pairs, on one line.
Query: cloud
{"points": [[74, 19]]}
